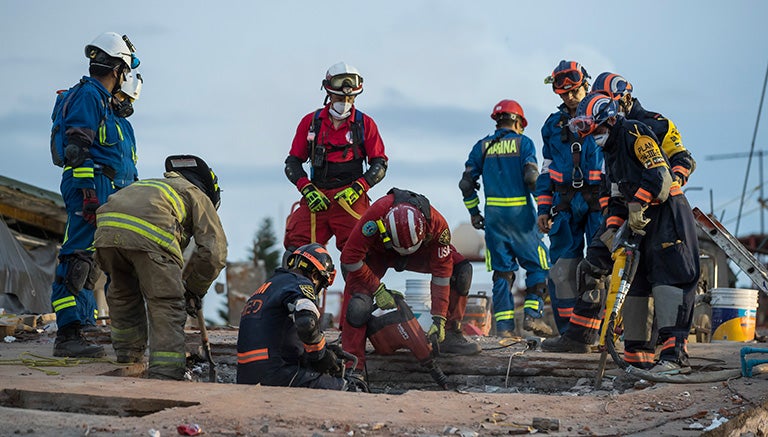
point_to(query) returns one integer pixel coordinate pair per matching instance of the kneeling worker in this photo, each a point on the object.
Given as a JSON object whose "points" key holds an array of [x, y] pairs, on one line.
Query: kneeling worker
{"points": [[280, 342], [140, 235]]}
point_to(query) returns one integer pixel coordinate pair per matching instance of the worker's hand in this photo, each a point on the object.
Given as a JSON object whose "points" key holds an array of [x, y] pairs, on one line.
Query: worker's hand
{"points": [[607, 237], [436, 332], [544, 222], [680, 178], [316, 200], [193, 303], [385, 299], [478, 222], [329, 363], [350, 194], [637, 219], [90, 205]]}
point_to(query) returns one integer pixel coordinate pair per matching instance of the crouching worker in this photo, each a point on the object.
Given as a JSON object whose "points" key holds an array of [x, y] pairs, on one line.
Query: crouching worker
{"points": [[140, 235], [280, 342], [403, 231]]}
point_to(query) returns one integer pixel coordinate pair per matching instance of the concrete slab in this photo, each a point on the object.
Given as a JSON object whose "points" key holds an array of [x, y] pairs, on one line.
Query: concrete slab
{"points": [[83, 401]]}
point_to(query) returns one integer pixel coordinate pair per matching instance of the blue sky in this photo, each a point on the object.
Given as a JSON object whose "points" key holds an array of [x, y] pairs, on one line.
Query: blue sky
{"points": [[230, 83]]}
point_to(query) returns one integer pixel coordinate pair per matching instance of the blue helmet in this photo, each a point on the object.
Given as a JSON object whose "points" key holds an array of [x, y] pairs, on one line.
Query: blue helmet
{"points": [[612, 85], [592, 111]]}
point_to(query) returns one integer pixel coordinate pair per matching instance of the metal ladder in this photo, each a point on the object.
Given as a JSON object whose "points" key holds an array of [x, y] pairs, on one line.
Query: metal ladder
{"points": [[733, 248]]}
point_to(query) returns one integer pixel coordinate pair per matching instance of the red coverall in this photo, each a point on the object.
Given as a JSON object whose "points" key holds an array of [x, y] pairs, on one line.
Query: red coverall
{"points": [[365, 261], [343, 167]]}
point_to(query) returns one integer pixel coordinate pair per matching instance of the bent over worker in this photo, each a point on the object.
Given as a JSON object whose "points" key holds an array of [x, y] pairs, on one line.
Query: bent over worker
{"points": [[506, 160], [88, 142], [280, 342], [337, 140], [142, 231], [403, 231], [657, 209]]}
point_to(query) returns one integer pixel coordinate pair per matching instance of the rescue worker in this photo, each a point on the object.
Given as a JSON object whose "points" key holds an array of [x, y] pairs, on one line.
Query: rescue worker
{"points": [[506, 160], [92, 146], [126, 172], [338, 140], [568, 189], [280, 342], [657, 210], [142, 232], [597, 264], [403, 231]]}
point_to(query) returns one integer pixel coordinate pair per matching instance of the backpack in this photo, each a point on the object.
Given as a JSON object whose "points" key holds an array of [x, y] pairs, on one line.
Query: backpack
{"points": [[58, 137]]}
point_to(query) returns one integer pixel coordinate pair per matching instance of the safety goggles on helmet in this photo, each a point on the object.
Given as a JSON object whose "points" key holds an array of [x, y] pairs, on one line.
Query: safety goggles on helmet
{"points": [[344, 84], [567, 76]]}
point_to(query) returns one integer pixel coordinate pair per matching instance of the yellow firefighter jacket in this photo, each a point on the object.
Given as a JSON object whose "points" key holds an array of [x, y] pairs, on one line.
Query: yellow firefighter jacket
{"points": [[162, 215]]}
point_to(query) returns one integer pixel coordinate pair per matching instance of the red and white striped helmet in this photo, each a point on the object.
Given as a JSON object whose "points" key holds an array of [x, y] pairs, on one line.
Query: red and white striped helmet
{"points": [[407, 227]]}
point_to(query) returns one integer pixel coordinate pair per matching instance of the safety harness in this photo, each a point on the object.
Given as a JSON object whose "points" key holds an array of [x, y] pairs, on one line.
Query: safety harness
{"points": [[591, 193], [318, 152]]}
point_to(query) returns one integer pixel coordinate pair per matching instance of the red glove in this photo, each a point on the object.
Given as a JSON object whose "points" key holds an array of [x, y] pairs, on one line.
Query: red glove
{"points": [[90, 205]]}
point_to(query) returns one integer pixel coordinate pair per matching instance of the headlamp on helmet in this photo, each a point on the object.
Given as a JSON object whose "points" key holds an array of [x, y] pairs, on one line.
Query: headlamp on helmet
{"points": [[594, 110], [567, 76]]}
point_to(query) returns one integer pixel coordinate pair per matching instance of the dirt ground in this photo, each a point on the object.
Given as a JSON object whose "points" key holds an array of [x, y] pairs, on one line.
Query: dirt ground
{"points": [[82, 399]]}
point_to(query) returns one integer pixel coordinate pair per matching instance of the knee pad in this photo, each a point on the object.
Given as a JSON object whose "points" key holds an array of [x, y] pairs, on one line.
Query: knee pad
{"points": [[668, 303], [79, 266], [507, 276], [563, 275], [638, 318], [461, 279], [359, 309], [590, 281]]}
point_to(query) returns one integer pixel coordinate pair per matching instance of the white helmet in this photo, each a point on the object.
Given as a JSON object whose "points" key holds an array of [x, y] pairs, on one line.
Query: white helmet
{"points": [[132, 85], [115, 46], [343, 79]]}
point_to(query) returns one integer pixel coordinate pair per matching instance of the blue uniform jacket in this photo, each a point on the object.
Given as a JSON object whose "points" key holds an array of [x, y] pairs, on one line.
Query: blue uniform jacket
{"points": [[557, 166], [126, 173], [500, 159], [267, 338], [90, 120]]}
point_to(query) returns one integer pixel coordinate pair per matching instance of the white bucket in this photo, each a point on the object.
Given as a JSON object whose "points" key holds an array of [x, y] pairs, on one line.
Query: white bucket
{"points": [[419, 297], [733, 314]]}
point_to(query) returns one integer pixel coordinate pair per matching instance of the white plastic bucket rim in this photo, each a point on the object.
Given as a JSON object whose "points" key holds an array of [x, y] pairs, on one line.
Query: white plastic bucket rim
{"points": [[740, 298]]}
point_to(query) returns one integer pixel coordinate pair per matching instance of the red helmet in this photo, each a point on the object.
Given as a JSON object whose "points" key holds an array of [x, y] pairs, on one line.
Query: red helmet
{"points": [[407, 226], [509, 107]]}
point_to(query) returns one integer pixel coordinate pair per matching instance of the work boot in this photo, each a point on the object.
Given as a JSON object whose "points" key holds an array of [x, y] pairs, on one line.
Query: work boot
{"points": [[70, 342], [564, 344], [456, 343], [538, 326]]}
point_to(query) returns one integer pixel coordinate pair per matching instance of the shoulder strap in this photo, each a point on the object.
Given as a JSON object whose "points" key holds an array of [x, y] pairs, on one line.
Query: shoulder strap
{"points": [[418, 200]]}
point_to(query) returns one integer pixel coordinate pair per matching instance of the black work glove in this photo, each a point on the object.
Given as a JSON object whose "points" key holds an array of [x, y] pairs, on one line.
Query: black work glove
{"points": [[193, 303], [478, 222], [329, 363], [90, 205]]}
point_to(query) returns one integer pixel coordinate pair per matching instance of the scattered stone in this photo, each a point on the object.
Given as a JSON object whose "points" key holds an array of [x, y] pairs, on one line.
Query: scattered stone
{"points": [[264, 428]]}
